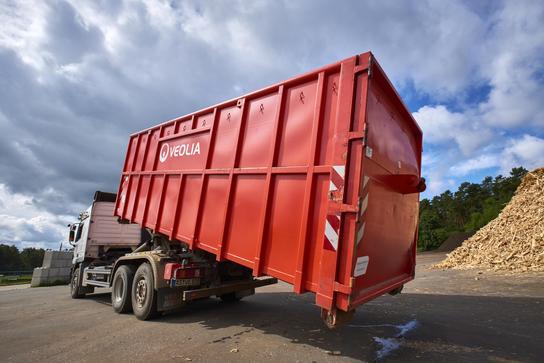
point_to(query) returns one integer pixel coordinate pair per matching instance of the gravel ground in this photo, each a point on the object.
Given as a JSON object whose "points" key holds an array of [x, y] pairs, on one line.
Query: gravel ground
{"points": [[442, 316]]}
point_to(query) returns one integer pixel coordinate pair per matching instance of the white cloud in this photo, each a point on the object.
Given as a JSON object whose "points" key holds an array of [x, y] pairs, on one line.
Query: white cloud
{"points": [[514, 61], [441, 126], [25, 224], [477, 163], [526, 151]]}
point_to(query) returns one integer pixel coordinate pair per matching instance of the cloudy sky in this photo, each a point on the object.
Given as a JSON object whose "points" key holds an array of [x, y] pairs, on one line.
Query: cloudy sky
{"points": [[77, 77]]}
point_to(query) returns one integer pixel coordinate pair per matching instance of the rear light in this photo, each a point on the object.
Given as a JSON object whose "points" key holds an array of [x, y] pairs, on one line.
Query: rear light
{"points": [[185, 273], [179, 271]]}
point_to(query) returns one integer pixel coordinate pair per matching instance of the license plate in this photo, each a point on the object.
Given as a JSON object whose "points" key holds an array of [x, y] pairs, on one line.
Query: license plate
{"points": [[188, 282]]}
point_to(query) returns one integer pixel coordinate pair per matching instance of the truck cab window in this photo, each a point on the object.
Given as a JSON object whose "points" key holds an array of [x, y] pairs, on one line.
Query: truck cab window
{"points": [[79, 230]]}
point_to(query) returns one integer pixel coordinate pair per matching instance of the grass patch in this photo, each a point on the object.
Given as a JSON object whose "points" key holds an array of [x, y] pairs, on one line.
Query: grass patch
{"points": [[15, 280]]}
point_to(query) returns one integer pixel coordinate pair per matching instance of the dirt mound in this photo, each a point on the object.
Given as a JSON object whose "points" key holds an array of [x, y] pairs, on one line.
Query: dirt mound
{"points": [[454, 241], [514, 241]]}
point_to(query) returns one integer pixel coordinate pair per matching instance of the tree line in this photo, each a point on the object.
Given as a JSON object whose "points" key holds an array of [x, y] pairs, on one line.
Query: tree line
{"points": [[11, 259], [468, 209]]}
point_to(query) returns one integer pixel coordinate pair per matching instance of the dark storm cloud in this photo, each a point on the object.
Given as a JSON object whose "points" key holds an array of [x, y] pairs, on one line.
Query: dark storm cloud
{"points": [[69, 38]]}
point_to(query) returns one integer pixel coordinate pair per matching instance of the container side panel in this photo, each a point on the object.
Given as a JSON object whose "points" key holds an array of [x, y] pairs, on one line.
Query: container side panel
{"points": [[283, 227], [189, 204], [140, 156], [154, 199], [142, 196], [134, 180], [215, 198], [168, 130], [152, 149], [183, 125], [204, 121], [243, 231], [123, 190], [258, 132], [327, 124], [297, 123], [183, 152], [227, 133], [170, 203], [316, 230], [131, 153]]}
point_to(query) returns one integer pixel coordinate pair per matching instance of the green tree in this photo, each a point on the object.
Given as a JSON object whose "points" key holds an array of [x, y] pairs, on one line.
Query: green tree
{"points": [[31, 257], [470, 208], [10, 260]]}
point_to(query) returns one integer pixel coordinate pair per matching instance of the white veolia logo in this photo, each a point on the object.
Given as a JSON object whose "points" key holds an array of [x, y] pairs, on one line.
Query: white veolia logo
{"points": [[178, 150]]}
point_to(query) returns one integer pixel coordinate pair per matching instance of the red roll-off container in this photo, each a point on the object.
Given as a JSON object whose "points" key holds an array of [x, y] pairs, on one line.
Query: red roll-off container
{"points": [[314, 180]]}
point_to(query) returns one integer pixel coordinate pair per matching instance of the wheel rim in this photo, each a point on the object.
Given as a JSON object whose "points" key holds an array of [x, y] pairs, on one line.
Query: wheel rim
{"points": [[118, 290], [141, 292]]}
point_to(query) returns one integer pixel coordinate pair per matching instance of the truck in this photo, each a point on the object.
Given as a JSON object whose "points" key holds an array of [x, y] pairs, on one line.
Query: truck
{"points": [[313, 181]]}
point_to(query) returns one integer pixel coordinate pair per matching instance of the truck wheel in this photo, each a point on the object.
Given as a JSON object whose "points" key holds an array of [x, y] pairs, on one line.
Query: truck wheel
{"points": [[144, 296], [75, 288], [121, 289], [396, 291]]}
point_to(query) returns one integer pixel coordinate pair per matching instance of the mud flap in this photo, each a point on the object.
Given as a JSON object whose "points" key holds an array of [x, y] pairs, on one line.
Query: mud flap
{"points": [[169, 299]]}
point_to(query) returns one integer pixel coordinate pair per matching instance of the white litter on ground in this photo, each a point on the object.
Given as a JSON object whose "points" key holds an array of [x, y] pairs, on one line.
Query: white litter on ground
{"points": [[390, 344], [412, 324]]}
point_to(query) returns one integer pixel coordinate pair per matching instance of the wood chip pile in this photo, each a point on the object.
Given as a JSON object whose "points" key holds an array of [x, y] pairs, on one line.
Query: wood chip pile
{"points": [[514, 241]]}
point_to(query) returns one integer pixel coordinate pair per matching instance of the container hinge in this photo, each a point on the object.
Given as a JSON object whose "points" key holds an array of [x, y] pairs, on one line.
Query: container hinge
{"points": [[344, 289], [335, 207], [360, 69], [356, 135]]}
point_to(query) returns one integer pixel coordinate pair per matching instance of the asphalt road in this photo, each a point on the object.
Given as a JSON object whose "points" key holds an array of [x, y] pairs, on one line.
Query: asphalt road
{"points": [[442, 316]]}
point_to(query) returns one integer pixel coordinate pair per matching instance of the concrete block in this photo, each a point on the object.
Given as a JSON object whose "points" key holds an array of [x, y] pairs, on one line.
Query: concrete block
{"points": [[61, 263], [41, 272], [39, 281], [47, 257], [54, 272], [59, 272], [35, 282]]}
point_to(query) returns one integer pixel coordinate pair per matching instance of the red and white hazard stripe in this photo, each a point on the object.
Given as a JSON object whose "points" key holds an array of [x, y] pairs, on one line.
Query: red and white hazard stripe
{"points": [[332, 224], [363, 208]]}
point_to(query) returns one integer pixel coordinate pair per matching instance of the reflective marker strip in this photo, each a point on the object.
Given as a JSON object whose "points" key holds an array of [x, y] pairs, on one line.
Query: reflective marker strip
{"points": [[361, 232], [332, 223], [331, 234], [362, 210]]}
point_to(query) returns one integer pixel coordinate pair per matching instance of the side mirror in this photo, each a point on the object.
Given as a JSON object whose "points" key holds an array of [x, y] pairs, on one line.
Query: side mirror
{"points": [[72, 233]]}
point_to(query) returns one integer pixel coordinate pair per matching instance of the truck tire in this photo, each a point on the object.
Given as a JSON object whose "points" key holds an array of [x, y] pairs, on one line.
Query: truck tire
{"points": [[396, 291], [121, 289], [75, 288], [144, 296]]}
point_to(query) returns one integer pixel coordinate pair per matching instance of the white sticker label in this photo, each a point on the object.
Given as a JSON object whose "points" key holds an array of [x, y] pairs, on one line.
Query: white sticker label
{"points": [[361, 265]]}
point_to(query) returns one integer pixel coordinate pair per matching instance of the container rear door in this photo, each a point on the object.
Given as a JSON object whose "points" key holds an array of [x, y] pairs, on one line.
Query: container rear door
{"points": [[387, 223]]}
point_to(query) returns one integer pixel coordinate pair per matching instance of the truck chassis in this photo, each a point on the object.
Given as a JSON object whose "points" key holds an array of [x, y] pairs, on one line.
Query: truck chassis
{"points": [[161, 275]]}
